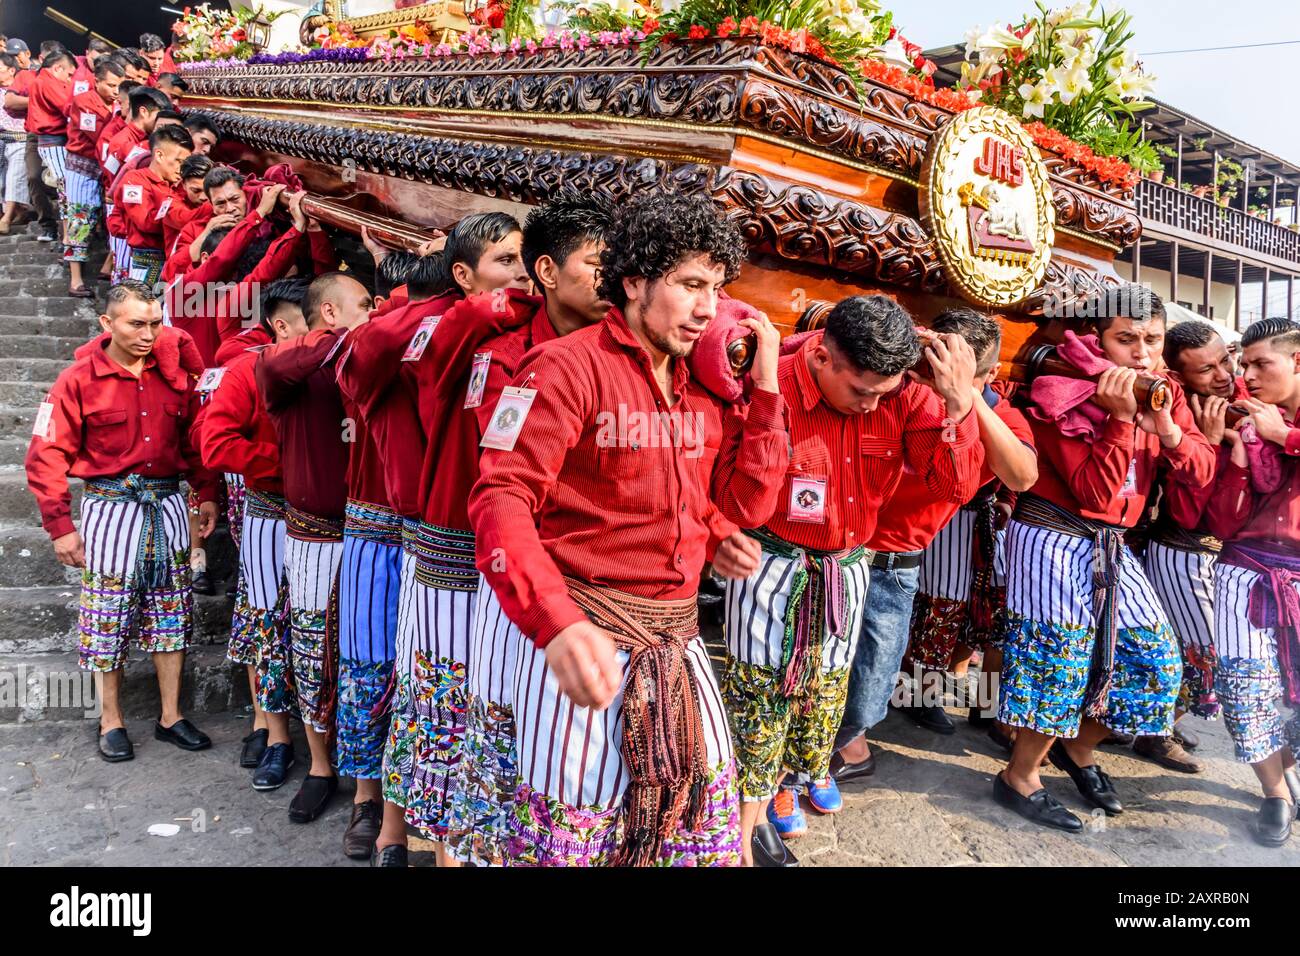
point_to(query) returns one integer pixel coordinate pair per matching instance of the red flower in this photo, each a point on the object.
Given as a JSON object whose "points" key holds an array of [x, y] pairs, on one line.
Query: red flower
{"points": [[649, 25], [238, 35], [496, 16], [727, 27], [749, 26], [697, 32]]}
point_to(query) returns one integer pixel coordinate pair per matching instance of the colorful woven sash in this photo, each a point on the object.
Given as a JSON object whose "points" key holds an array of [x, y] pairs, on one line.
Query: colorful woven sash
{"points": [[308, 527], [663, 730], [814, 611], [151, 260], [410, 531], [263, 504], [1274, 602], [376, 523], [1106, 543], [83, 166], [984, 546], [444, 558], [149, 493]]}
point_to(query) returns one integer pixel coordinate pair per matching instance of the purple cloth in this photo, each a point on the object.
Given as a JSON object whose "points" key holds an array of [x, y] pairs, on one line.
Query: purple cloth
{"points": [[1274, 603], [1067, 401]]}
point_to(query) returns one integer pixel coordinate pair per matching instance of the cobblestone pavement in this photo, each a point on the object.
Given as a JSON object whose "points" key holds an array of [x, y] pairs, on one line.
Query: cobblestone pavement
{"points": [[928, 804]]}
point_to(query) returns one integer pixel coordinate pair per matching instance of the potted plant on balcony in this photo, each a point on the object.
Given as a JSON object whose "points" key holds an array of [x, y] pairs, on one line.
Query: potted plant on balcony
{"points": [[1165, 154], [1226, 184]]}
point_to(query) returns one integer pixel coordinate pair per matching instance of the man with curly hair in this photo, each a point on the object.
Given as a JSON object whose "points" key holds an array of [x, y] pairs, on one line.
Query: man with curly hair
{"points": [[592, 515]]}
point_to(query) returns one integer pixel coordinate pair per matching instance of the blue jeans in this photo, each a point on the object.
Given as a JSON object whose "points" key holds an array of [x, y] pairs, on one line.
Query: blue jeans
{"points": [[886, 623]]}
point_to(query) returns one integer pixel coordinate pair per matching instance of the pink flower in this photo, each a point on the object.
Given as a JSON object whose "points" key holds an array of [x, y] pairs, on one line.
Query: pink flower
{"points": [[584, 41], [566, 42], [548, 41], [531, 46]]}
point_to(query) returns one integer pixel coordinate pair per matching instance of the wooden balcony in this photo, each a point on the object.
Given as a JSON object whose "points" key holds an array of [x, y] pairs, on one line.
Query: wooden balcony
{"points": [[1170, 213]]}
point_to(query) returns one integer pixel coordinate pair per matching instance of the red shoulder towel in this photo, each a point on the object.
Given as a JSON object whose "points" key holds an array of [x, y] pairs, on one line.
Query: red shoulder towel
{"points": [[177, 356], [1067, 401]]}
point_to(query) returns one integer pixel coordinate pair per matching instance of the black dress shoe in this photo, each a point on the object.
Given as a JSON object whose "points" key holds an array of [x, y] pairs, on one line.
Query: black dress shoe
{"points": [[202, 584], [1040, 807], [394, 855], [768, 849], [1273, 825], [1118, 738], [273, 768], [842, 772], [183, 734], [312, 798], [363, 829], [115, 746], [1292, 777], [931, 718], [254, 747], [978, 718], [232, 589], [1093, 783]]}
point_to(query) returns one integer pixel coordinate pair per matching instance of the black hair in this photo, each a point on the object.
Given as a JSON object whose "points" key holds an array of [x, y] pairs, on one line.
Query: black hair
{"points": [[172, 133], [52, 46], [470, 237], [172, 114], [1184, 336], [428, 277], [874, 333], [1287, 330], [128, 87], [9, 60], [133, 58], [1126, 301], [654, 232], [214, 239], [981, 332], [173, 80], [106, 65], [562, 226], [98, 45], [292, 291], [128, 289], [197, 122], [195, 166], [221, 175], [318, 292], [151, 43], [54, 57], [146, 97], [253, 253]]}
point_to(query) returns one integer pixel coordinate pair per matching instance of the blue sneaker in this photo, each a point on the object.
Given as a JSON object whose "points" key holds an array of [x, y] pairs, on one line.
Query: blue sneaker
{"points": [[785, 814], [824, 796]]}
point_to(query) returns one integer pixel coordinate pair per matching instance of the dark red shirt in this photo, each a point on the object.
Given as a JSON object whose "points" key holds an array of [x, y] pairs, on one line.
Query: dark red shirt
{"points": [[596, 488], [47, 105], [112, 126], [1091, 479], [912, 516], [296, 382], [87, 116], [127, 143], [146, 200], [1236, 512], [106, 423], [236, 434]]}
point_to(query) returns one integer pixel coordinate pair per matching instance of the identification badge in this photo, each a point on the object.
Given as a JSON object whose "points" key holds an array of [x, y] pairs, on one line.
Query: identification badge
{"points": [[79, 87], [135, 151], [1130, 481], [807, 500], [44, 419], [478, 379], [133, 194], [162, 210], [508, 418], [210, 379], [111, 163], [420, 340], [89, 121]]}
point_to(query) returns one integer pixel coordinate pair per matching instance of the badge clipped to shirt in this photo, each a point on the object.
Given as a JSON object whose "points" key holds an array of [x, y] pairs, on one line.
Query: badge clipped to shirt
{"points": [[1130, 481], [111, 163], [478, 379], [162, 210], [44, 419], [210, 379], [420, 340], [133, 194], [89, 121], [807, 500], [508, 418], [79, 87]]}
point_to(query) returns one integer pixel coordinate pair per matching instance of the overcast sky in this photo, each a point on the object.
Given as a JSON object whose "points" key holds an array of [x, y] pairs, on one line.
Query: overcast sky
{"points": [[1250, 94]]}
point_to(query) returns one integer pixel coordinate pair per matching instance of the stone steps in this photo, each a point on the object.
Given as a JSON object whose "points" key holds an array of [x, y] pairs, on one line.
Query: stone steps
{"points": [[27, 559], [41, 371], [42, 347], [72, 325], [18, 504]]}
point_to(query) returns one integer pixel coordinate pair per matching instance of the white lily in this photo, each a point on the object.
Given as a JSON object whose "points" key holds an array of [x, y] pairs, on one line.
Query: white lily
{"points": [[972, 40], [1036, 98], [1069, 83], [1134, 84], [998, 38]]}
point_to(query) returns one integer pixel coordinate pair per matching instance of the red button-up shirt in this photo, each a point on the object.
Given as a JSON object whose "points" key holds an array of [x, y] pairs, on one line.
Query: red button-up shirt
{"points": [[47, 105], [112, 126], [21, 86], [597, 488], [128, 141], [146, 199], [1089, 478], [87, 116], [106, 422], [861, 457], [913, 516], [296, 382], [1236, 512], [236, 434]]}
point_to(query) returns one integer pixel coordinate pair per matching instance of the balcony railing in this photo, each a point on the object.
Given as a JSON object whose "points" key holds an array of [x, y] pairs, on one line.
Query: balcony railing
{"points": [[1180, 209]]}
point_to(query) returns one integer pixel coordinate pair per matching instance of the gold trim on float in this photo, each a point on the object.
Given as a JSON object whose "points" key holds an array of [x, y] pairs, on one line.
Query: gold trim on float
{"points": [[1089, 237], [199, 101]]}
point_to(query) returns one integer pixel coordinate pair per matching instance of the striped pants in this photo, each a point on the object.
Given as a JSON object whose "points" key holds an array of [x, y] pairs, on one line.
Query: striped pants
{"points": [[83, 197], [773, 734], [1249, 681], [121, 253], [483, 796], [1051, 629], [55, 159], [1184, 581], [263, 600], [311, 567], [398, 751], [369, 587], [111, 607], [15, 171]]}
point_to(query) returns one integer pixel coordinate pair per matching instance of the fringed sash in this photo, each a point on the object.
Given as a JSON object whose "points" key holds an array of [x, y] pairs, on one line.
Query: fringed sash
{"points": [[1274, 602], [149, 494], [984, 546]]}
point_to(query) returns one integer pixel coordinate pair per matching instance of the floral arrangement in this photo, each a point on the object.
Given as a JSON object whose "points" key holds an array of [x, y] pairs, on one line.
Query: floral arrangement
{"points": [[203, 33], [1070, 69], [1108, 169]]}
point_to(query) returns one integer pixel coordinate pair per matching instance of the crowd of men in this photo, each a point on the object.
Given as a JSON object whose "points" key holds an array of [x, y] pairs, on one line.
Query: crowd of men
{"points": [[475, 499]]}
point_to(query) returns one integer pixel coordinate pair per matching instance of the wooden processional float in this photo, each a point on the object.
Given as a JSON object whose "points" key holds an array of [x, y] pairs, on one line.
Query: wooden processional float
{"points": [[835, 195]]}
